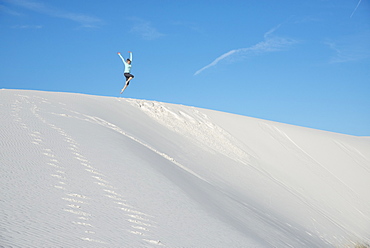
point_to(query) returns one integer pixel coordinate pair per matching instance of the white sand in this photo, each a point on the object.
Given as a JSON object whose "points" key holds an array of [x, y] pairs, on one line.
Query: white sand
{"points": [[90, 171]]}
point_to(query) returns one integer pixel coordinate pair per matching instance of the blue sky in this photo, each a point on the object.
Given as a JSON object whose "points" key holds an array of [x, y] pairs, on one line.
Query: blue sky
{"points": [[303, 62]]}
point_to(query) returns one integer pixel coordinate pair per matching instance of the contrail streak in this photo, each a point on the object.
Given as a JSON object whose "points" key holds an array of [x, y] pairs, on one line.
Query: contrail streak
{"points": [[356, 8], [269, 44]]}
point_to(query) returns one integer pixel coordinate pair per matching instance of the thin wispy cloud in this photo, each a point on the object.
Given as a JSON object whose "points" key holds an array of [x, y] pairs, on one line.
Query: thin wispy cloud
{"points": [[27, 26], [83, 19], [215, 62], [270, 43], [9, 11], [350, 48], [145, 29]]}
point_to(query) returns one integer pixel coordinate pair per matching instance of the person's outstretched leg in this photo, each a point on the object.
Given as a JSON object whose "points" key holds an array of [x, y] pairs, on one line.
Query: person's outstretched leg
{"points": [[128, 80]]}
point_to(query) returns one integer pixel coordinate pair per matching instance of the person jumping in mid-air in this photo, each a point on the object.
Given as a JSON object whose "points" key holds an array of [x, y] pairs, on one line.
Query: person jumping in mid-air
{"points": [[127, 70]]}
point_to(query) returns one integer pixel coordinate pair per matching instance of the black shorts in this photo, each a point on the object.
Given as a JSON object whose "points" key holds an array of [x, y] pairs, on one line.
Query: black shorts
{"points": [[128, 75]]}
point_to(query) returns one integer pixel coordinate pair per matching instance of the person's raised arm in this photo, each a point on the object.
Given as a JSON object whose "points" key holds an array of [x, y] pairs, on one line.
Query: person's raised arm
{"points": [[130, 56], [123, 60]]}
